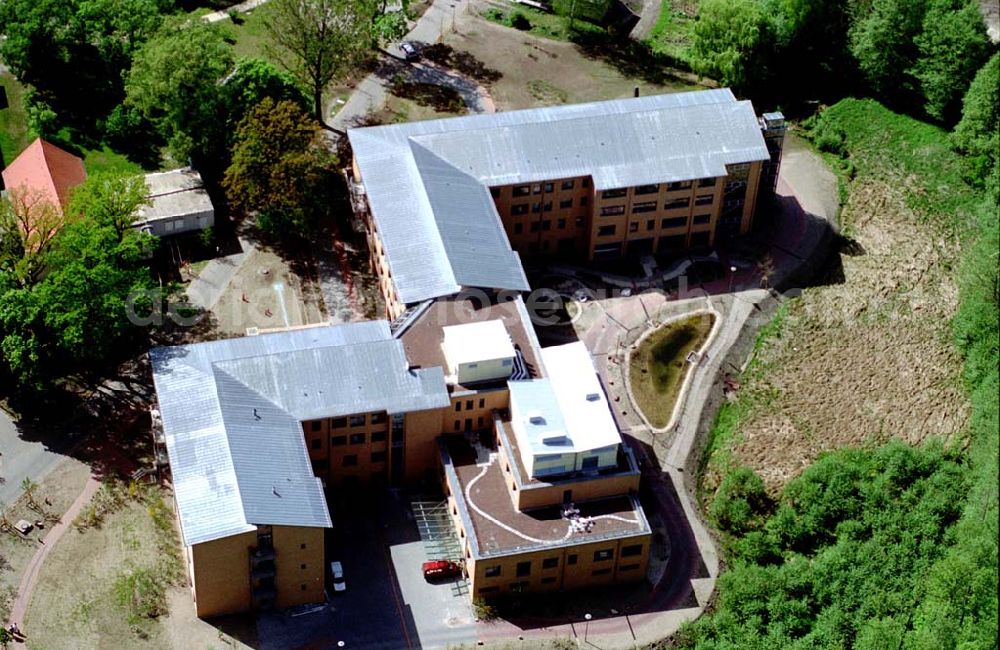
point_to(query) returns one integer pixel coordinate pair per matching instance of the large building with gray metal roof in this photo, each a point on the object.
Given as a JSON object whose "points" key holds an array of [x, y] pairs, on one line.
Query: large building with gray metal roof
{"points": [[452, 203]]}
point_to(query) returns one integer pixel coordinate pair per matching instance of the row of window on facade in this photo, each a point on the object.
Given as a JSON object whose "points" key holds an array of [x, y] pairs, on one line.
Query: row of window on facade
{"points": [[655, 188], [540, 188], [551, 580], [651, 206], [350, 421], [523, 569], [470, 403], [522, 208], [675, 222]]}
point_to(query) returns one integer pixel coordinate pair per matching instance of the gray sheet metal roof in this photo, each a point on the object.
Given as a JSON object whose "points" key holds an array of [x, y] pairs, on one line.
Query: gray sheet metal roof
{"points": [[175, 193], [419, 176], [226, 462]]}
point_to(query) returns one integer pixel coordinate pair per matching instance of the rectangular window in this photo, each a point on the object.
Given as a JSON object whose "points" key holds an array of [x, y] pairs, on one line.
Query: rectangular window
{"points": [[521, 190], [679, 185], [468, 404], [633, 227], [507, 363], [317, 444], [650, 224], [315, 425], [600, 572], [571, 559], [561, 224], [377, 418], [632, 550], [458, 406], [704, 199], [535, 226], [518, 228], [356, 421], [492, 571], [547, 207], [586, 182], [338, 441], [584, 200], [614, 194], [646, 206], [604, 554], [482, 402], [536, 207], [547, 225], [647, 189], [548, 187], [338, 423], [567, 203], [568, 185], [706, 182], [677, 203], [612, 210], [351, 460], [378, 436], [489, 590], [675, 222], [357, 438], [580, 221], [523, 569], [702, 219], [519, 208], [628, 567], [378, 456], [550, 563], [605, 231], [458, 425], [536, 188]]}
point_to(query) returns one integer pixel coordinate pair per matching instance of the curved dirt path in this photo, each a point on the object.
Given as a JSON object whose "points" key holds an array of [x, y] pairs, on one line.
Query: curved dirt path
{"points": [[30, 578]]}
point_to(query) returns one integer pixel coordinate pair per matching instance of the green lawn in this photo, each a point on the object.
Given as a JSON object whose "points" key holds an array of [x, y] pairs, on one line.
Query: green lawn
{"points": [[248, 37], [658, 366], [673, 32], [542, 24], [13, 120]]}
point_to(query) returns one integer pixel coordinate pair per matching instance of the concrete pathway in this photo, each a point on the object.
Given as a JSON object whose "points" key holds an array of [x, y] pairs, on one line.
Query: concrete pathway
{"points": [[206, 289], [223, 14], [30, 578], [370, 93]]}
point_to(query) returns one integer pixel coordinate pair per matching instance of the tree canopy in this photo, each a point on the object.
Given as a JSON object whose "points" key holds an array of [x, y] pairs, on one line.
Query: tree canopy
{"points": [[175, 84], [281, 170], [318, 41]]}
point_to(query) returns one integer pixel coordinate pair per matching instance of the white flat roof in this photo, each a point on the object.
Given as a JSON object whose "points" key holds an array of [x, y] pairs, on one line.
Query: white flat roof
{"points": [[581, 398], [474, 342]]}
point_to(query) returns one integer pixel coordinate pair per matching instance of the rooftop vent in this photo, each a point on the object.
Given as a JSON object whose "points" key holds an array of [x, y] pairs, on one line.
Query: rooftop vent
{"points": [[555, 440], [593, 397]]}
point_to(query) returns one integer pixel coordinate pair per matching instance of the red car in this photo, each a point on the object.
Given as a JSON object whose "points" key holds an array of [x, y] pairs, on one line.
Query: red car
{"points": [[438, 569]]}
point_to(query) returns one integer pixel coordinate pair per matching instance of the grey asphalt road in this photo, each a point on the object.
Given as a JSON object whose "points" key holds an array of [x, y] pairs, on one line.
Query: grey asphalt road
{"points": [[20, 458]]}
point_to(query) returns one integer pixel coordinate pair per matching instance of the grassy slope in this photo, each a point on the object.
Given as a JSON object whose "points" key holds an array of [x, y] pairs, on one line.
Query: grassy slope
{"points": [[673, 33], [878, 145], [544, 24]]}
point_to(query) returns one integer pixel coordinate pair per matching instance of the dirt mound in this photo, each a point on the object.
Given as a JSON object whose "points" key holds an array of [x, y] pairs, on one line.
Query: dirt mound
{"points": [[868, 356]]}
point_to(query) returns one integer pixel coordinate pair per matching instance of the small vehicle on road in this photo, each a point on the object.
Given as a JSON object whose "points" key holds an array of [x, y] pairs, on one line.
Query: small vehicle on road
{"points": [[441, 569], [410, 50], [337, 576]]}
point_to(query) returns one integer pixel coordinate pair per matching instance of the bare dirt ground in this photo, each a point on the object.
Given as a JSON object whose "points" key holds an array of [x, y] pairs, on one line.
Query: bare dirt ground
{"points": [[267, 293], [73, 605], [540, 72], [60, 488], [865, 358]]}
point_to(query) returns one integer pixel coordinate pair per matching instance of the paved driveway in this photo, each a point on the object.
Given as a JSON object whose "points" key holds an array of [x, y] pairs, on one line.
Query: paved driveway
{"points": [[387, 603]]}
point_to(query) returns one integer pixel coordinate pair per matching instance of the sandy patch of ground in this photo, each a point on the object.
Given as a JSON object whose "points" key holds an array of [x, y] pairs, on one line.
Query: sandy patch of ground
{"points": [[60, 488], [865, 358], [529, 63], [266, 293]]}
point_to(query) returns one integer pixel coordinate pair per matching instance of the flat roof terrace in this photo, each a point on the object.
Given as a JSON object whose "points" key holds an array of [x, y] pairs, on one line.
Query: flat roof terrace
{"points": [[422, 340], [495, 527]]}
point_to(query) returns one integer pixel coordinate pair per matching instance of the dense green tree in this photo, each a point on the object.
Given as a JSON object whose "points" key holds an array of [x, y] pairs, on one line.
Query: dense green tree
{"points": [[882, 40], [109, 199], [251, 82], [953, 46], [811, 36], [977, 134], [281, 170], [727, 40], [741, 502], [68, 50], [390, 22], [318, 41], [175, 84]]}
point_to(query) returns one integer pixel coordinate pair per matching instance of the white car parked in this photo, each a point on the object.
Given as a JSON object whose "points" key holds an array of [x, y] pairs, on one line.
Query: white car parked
{"points": [[337, 573]]}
